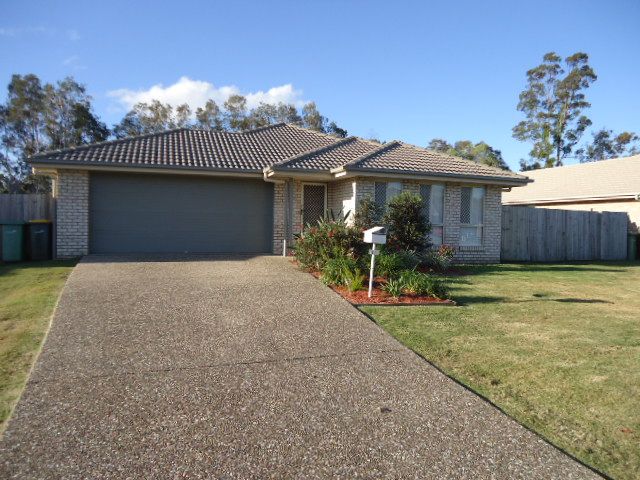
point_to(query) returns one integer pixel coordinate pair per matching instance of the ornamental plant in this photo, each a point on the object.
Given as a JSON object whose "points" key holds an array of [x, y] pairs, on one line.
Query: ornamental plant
{"points": [[407, 227], [367, 215], [330, 238]]}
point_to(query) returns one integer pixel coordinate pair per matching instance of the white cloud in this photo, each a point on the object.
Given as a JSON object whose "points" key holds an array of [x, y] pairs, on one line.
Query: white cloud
{"points": [[73, 62], [196, 93], [73, 35], [18, 31]]}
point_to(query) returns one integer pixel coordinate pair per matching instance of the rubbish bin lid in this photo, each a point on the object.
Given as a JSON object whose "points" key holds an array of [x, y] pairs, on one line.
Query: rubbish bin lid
{"points": [[9, 222], [44, 220]]}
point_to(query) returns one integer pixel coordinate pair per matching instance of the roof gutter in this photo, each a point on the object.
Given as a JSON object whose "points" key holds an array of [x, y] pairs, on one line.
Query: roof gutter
{"points": [[342, 172], [47, 168]]}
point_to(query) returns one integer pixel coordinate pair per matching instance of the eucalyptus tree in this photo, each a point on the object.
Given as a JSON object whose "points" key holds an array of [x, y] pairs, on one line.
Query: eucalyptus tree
{"points": [[553, 105]]}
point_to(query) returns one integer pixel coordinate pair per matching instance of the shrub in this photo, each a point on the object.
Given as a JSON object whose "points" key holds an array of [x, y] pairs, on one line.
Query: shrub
{"points": [[390, 265], [440, 259], [326, 240], [394, 287], [418, 283], [353, 279], [367, 215], [407, 226], [334, 268]]}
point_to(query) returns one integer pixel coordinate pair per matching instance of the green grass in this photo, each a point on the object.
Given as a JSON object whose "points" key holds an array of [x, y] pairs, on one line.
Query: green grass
{"points": [[28, 295], [556, 346]]}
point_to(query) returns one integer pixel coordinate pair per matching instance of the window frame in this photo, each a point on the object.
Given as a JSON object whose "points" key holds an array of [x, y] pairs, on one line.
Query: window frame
{"points": [[441, 225], [387, 199], [478, 226]]}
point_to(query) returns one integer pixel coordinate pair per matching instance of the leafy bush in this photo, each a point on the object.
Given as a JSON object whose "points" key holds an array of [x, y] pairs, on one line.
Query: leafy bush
{"points": [[367, 215], [440, 259], [390, 265], [326, 240], [334, 269], [413, 282], [417, 283], [407, 227], [394, 287], [353, 279], [436, 287]]}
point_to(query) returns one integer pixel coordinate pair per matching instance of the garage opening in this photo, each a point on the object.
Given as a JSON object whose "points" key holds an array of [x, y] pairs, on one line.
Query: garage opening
{"points": [[140, 213]]}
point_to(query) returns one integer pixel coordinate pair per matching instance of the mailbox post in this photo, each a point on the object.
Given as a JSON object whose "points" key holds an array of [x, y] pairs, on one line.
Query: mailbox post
{"points": [[375, 236]]}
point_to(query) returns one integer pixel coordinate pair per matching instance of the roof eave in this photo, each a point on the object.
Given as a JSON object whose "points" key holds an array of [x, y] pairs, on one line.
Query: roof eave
{"points": [[302, 173], [47, 166], [345, 171]]}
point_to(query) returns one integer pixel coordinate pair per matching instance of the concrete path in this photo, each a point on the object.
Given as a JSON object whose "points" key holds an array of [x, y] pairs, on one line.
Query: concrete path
{"points": [[245, 368]]}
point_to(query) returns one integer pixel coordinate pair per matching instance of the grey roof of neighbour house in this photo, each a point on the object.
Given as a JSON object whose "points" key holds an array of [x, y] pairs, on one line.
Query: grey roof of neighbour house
{"points": [[615, 178], [280, 147]]}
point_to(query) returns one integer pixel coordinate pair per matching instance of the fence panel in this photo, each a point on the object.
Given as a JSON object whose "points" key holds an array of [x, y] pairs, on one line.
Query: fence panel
{"points": [[16, 207], [552, 235]]}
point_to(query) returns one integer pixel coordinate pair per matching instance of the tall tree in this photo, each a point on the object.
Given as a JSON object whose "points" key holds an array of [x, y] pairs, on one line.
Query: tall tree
{"points": [[69, 120], [209, 117], [606, 144], [480, 152], [334, 129], [311, 117], [236, 118], [145, 118], [37, 117], [553, 103]]}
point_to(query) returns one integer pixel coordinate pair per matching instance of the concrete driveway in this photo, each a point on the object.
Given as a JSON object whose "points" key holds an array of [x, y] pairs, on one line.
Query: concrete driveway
{"points": [[245, 368]]}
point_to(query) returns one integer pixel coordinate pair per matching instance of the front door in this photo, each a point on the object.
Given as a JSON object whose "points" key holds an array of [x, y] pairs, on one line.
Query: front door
{"points": [[314, 202]]}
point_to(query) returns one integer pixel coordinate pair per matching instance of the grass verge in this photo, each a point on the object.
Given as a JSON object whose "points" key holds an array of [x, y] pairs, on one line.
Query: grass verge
{"points": [[28, 295], [555, 346]]}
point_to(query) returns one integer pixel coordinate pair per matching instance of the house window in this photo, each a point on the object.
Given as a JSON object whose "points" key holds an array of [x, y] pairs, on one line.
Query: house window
{"points": [[385, 192], [471, 215], [433, 210]]}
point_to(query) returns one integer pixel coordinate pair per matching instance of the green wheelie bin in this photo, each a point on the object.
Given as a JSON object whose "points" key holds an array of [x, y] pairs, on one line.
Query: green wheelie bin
{"points": [[12, 241]]}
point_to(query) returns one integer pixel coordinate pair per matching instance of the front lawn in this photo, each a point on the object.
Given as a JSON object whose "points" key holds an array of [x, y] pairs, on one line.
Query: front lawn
{"points": [[28, 294], [556, 346]]}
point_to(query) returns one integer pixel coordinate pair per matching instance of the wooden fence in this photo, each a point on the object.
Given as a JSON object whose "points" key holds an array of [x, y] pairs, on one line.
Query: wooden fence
{"points": [[16, 207], [547, 235]]}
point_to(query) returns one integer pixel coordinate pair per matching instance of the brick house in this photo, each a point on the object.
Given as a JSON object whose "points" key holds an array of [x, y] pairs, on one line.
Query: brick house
{"points": [[200, 191]]}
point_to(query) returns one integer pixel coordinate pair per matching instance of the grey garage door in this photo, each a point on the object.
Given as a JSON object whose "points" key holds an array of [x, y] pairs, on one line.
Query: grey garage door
{"points": [[131, 213]]}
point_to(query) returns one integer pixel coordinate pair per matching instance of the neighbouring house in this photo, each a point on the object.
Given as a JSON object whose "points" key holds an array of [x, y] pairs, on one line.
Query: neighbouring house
{"points": [[603, 186], [202, 191]]}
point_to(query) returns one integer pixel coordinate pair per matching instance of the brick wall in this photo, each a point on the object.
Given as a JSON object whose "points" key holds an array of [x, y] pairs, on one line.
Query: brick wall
{"points": [[72, 213], [489, 251], [341, 197], [278, 217]]}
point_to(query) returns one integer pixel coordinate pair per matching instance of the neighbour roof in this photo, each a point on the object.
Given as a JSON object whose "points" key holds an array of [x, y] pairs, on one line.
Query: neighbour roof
{"points": [[281, 147], [618, 177]]}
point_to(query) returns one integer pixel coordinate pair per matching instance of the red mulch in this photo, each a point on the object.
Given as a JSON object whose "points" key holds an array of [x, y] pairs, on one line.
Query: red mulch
{"points": [[381, 297]]}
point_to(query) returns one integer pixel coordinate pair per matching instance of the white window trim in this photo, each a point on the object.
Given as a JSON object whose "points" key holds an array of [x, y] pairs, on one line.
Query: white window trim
{"points": [[444, 209], [478, 225]]}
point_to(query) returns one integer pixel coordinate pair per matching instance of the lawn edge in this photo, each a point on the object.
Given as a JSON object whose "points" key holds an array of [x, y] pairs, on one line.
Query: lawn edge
{"points": [[487, 400], [3, 428]]}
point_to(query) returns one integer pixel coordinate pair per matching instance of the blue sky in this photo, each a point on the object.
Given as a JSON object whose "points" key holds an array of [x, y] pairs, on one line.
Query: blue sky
{"points": [[395, 70]]}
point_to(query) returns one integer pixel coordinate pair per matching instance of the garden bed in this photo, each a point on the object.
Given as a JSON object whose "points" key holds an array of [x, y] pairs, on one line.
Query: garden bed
{"points": [[381, 297]]}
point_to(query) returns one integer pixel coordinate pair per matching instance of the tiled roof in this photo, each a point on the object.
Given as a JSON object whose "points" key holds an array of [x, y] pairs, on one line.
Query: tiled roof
{"points": [[617, 177], [401, 157], [190, 148], [327, 158], [281, 147]]}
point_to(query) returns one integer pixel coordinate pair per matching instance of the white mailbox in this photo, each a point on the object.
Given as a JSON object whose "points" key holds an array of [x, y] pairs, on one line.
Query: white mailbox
{"points": [[376, 235]]}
